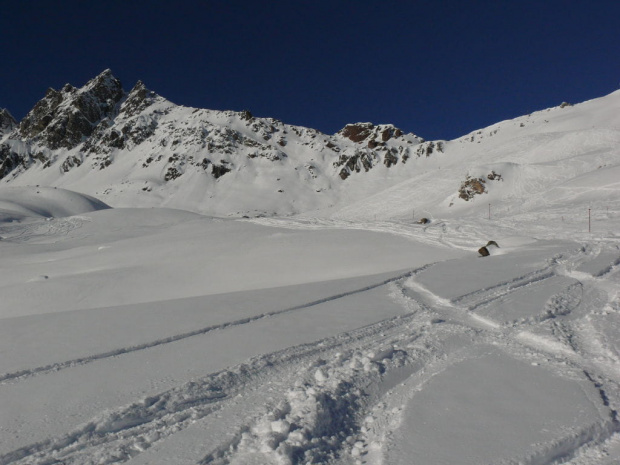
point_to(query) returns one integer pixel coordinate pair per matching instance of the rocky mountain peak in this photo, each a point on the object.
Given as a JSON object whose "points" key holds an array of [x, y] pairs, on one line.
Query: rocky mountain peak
{"points": [[138, 99], [374, 136], [357, 132], [139, 141], [104, 86], [62, 119], [7, 122]]}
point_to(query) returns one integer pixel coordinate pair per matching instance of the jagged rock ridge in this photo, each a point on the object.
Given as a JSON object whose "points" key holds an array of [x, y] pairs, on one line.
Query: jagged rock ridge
{"points": [[63, 119], [7, 122], [138, 149], [152, 142]]}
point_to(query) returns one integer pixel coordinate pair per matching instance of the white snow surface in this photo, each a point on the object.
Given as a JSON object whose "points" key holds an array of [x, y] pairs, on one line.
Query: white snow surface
{"points": [[347, 335], [19, 203]]}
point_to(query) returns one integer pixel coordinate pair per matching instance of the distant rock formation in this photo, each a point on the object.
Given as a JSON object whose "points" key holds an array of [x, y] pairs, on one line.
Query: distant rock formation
{"points": [[471, 187], [137, 142], [7, 122], [476, 186], [90, 126], [376, 149], [64, 118]]}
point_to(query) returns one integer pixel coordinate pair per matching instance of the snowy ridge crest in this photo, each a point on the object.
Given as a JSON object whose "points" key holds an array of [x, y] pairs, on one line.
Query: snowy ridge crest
{"points": [[138, 149], [75, 133]]}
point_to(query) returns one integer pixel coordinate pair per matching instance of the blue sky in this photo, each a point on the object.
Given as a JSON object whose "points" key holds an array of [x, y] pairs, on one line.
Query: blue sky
{"points": [[436, 68]]}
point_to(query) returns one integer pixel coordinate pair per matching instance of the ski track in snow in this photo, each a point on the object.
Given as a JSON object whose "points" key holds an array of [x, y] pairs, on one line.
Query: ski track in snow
{"points": [[42, 232], [337, 400], [139, 425], [22, 374], [437, 234], [462, 312], [519, 340]]}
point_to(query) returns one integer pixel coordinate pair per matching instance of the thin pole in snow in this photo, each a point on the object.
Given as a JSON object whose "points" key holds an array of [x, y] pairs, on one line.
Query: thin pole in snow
{"points": [[489, 211], [589, 221]]}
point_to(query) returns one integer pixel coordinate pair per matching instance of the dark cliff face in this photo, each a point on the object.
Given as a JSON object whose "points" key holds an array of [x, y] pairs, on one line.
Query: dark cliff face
{"points": [[372, 148], [9, 160], [124, 131], [62, 119], [138, 100], [7, 122], [374, 135]]}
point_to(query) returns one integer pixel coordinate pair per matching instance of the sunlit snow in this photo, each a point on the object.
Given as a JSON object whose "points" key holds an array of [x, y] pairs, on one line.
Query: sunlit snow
{"points": [[348, 334]]}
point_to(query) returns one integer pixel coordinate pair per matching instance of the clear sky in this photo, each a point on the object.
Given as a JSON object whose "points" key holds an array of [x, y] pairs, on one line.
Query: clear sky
{"points": [[439, 69]]}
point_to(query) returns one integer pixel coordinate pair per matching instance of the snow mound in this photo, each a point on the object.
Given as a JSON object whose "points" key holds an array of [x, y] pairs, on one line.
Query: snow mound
{"points": [[49, 202]]}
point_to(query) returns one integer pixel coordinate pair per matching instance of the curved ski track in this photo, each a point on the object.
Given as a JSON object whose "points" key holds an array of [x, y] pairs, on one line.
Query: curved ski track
{"points": [[22, 374]]}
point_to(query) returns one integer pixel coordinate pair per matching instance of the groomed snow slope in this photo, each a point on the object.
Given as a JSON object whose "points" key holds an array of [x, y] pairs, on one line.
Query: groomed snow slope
{"points": [[157, 336]]}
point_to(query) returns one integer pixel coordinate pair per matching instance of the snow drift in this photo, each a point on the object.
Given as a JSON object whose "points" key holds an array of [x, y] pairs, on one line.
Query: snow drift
{"points": [[47, 202]]}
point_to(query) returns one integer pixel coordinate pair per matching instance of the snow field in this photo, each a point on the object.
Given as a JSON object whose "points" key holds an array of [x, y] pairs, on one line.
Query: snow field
{"points": [[352, 368], [346, 336], [18, 203]]}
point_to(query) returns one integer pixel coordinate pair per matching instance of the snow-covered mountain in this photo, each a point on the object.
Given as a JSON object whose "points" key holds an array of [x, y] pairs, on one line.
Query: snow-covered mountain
{"points": [[558, 159], [348, 334], [139, 149]]}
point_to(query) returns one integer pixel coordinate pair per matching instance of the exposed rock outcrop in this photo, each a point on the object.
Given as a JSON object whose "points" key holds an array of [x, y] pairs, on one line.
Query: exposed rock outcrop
{"points": [[138, 100], [63, 119], [472, 187], [355, 163], [357, 132], [476, 186], [374, 136], [7, 122], [9, 160]]}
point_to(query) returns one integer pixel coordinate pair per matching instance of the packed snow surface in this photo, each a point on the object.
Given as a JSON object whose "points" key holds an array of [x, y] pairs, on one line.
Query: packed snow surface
{"points": [[350, 335]]}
